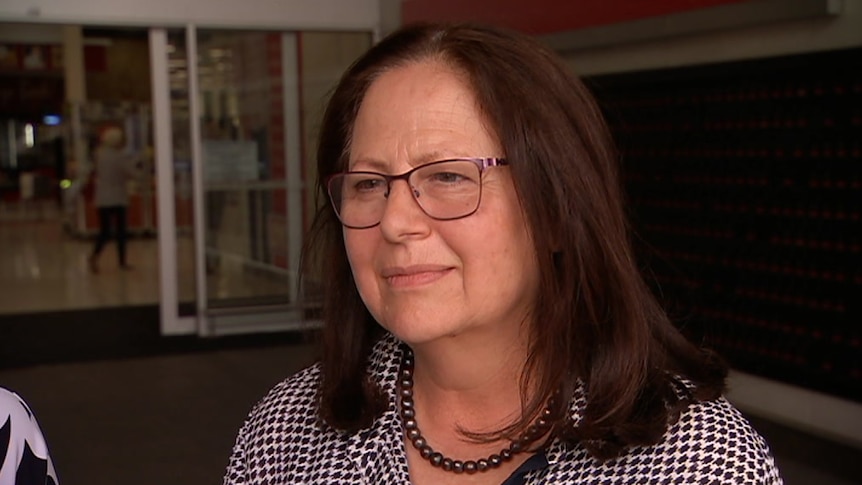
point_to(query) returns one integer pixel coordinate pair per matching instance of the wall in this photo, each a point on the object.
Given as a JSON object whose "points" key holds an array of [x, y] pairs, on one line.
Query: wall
{"points": [[816, 34], [832, 417], [277, 14], [546, 16], [122, 76]]}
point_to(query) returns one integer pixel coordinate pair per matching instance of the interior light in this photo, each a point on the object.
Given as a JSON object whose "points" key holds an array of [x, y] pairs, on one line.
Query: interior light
{"points": [[29, 135]]}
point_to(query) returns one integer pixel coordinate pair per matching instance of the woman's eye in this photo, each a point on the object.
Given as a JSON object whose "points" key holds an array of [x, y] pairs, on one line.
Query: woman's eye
{"points": [[368, 185], [447, 177]]}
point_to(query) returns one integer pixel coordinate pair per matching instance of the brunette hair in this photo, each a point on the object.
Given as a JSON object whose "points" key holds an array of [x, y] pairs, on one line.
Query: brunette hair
{"points": [[596, 322]]}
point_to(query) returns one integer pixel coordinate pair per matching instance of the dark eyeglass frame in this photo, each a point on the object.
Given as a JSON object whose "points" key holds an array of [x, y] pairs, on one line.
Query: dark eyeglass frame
{"points": [[482, 163]]}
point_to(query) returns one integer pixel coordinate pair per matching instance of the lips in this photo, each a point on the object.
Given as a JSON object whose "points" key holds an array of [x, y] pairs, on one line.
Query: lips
{"points": [[415, 275]]}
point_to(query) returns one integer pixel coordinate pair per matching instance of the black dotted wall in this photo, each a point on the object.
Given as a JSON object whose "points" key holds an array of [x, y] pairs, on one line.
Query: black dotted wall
{"points": [[745, 186]]}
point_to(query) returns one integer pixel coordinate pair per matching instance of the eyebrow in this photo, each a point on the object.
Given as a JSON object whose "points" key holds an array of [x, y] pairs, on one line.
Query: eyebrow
{"points": [[377, 165], [368, 164]]}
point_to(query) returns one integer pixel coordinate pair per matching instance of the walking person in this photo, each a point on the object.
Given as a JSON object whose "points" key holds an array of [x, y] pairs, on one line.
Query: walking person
{"points": [[114, 168]]}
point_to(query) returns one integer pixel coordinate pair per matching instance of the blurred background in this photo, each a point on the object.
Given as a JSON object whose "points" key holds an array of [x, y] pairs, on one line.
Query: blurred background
{"points": [[739, 124]]}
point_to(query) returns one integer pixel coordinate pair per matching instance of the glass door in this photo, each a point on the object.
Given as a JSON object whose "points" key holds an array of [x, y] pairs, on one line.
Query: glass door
{"points": [[245, 117]]}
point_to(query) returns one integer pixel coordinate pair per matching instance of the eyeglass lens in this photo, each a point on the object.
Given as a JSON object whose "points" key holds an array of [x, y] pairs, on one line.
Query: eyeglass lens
{"points": [[444, 190]]}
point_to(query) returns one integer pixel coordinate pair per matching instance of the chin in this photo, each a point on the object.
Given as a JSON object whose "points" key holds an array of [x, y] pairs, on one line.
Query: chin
{"points": [[414, 333]]}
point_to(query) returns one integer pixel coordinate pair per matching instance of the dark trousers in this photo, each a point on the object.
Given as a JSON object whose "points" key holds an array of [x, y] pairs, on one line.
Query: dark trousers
{"points": [[117, 215]]}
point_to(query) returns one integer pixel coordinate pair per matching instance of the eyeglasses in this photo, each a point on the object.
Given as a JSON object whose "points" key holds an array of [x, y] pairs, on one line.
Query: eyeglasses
{"points": [[445, 190]]}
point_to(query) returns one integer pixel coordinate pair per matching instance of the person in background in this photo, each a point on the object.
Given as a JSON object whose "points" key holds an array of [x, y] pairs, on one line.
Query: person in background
{"points": [[484, 318], [24, 457], [114, 168]]}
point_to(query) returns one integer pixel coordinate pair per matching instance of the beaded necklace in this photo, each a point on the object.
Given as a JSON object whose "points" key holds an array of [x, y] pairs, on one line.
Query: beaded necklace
{"points": [[437, 459]]}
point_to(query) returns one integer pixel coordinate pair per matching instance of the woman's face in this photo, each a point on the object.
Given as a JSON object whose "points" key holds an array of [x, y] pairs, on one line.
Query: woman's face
{"points": [[424, 279]]}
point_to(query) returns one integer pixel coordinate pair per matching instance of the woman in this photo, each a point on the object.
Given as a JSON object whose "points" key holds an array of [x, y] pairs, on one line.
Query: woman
{"points": [[114, 169], [484, 319]]}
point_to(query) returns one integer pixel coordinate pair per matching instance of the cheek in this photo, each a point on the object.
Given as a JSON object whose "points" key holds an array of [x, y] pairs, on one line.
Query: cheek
{"points": [[515, 251], [360, 250]]}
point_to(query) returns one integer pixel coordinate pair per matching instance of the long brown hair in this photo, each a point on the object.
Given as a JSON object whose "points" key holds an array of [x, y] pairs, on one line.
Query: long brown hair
{"points": [[595, 321]]}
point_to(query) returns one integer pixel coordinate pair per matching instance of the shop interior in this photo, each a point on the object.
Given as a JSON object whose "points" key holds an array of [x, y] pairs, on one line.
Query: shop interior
{"points": [[54, 113]]}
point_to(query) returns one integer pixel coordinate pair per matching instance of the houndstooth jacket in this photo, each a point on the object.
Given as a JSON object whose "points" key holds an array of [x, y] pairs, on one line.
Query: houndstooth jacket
{"points": [[284, 442]]}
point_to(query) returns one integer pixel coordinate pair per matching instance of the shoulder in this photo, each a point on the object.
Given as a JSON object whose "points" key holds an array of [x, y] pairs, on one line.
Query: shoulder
{"points": [[9, 401], [714, 443], [24, 445], [283, 440], [290, 403], [14, 409], [711, 442], [715, 424]]}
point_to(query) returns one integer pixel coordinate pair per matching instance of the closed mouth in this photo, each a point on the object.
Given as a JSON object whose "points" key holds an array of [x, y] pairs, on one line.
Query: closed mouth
{"points": [[414, 275]]}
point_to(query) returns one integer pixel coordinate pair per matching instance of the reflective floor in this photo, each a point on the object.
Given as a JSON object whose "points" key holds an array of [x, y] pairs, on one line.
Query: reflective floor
{"points": [[43, 267]]}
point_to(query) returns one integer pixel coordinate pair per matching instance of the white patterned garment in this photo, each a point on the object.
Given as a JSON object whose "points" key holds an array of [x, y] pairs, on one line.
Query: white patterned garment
{"points": [[283, 441], [24, 458]]}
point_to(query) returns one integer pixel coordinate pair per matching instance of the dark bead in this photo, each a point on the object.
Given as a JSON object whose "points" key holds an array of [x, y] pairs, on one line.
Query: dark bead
{"points": [[547, 413], [419, 442], [436, 459], [542, 424], [411, 428], [533, 432]]}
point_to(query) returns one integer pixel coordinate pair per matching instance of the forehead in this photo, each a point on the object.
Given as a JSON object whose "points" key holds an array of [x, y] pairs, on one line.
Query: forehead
{"points": [[420, 112]]}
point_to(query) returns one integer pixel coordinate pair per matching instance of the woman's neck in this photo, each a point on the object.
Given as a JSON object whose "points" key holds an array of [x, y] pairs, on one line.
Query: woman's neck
{"points": [[470, 381]]}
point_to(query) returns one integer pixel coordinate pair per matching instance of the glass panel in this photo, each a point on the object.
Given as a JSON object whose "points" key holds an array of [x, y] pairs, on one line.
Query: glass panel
{"points": [[260, 109], [242, 147], [182, 167]]}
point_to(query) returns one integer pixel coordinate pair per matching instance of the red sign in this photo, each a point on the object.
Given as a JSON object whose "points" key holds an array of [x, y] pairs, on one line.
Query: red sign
{"points": [[547, 16]]}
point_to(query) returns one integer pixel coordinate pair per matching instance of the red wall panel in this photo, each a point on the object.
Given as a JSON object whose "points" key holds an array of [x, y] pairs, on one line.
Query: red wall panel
{"points": [[546, 16]]}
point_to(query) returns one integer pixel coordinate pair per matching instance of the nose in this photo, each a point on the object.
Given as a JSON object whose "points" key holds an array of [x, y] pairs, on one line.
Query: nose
{"points": [[402, 216], [413, 191]]}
